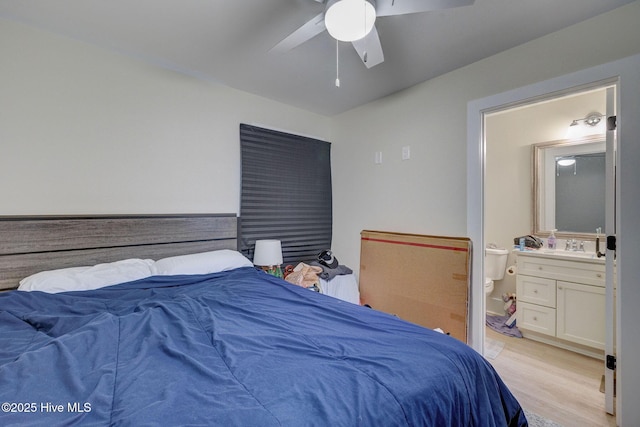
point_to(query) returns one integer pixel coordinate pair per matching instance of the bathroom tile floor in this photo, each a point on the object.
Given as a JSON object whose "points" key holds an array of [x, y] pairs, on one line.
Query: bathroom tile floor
{"points": [[555, 383]]}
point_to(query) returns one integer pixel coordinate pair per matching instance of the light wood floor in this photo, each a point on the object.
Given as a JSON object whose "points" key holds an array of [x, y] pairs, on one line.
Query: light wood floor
{"points": [[552, 382]]}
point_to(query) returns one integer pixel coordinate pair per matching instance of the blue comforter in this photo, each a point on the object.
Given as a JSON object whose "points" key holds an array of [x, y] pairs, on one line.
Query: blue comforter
{"points": [[237, 348]]}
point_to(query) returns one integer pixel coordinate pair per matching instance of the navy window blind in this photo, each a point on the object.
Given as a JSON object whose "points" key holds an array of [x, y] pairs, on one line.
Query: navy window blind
{"points": [[285, 192]]}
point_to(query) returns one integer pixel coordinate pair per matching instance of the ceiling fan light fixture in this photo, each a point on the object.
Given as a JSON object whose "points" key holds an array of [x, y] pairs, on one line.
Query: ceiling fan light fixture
{"points": [[349, 20]]}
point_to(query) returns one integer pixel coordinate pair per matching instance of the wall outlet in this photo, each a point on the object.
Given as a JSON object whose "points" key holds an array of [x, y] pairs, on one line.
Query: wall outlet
{"points": [[406, 152], [378, 158]]}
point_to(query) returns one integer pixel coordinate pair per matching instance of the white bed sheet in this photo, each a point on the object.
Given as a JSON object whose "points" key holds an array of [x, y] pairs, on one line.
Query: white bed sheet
{"points": [[344, 287]]}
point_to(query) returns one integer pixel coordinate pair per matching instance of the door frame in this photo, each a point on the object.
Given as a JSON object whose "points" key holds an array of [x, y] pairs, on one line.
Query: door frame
{"points": [[624, 74]]}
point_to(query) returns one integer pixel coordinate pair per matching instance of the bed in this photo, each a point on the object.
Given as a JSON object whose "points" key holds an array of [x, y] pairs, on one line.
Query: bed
{"points": [[206, 339]]}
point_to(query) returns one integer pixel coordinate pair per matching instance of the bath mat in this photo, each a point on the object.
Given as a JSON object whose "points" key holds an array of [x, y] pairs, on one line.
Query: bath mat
{"points": [[492, 348], [536, 420], [496, 323]]}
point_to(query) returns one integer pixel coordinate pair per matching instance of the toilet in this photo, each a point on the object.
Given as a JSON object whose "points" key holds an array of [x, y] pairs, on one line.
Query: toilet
{"points": [[495, 264]]}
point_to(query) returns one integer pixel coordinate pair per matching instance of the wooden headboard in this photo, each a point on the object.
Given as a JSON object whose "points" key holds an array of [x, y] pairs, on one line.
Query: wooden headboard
{"points": [[29, 244]]}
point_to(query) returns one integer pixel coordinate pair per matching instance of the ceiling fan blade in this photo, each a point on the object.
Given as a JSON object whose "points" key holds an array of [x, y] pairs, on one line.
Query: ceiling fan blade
{"points": [[402, 7], [312, 28], [370, 49]]}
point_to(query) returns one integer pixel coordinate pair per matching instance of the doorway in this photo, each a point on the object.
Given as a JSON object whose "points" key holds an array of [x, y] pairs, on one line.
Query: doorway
{"points": [[624, 72], [509, 136]]}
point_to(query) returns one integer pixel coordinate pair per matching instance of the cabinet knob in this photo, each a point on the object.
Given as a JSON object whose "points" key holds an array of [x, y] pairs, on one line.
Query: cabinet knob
{"points": [[535, 318], [560, 287], [539, 267], [535, 291], [599, 275]]}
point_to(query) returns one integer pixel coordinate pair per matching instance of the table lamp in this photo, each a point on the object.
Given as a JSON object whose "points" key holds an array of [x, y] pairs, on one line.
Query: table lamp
{"points": [[268, 256]]}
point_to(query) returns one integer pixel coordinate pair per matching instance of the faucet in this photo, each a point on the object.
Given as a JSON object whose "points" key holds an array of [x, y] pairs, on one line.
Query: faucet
{"points": [[570, 245], [574, 246]]}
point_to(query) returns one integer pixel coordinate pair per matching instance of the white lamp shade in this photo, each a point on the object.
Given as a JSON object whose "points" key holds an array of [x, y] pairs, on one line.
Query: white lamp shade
{"points": [[267, 252], [349, 20]]}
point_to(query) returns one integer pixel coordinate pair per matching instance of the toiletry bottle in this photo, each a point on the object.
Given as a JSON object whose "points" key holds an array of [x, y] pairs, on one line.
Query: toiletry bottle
{"points": [[521, 243], [551, 241]]}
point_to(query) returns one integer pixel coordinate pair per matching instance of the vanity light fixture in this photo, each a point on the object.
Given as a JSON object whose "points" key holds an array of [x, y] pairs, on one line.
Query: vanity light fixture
{"points": [[592, 119], [591, 124]]}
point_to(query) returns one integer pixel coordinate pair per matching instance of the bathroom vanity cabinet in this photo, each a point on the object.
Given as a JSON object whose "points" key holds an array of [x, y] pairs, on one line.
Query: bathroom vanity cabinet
{"points": [[561, 301]]}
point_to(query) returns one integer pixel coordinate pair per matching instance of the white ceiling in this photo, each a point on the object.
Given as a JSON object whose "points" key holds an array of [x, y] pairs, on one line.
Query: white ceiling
{"points": [[229, 41]]}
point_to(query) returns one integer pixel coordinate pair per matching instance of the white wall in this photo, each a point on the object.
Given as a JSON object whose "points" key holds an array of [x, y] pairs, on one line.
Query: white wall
{"points": [[508, 174], [427, 194], [84, 130]]}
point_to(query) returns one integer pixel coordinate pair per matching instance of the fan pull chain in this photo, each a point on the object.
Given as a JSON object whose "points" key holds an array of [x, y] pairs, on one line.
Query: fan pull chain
{"points": [[337, 64], [365, 56], [364, 10]]}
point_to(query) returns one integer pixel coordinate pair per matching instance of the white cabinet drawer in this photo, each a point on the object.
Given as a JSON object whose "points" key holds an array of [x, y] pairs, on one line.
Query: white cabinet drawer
{"points": [[536, 290], [570, 271], [536, 318]]}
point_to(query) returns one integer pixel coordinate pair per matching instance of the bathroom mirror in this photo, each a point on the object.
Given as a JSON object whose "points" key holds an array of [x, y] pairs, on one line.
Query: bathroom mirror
{"points": [[569, 187]]}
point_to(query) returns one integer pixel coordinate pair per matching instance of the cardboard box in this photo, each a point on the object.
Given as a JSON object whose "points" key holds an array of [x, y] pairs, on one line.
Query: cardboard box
{"points": [[421, 279]]}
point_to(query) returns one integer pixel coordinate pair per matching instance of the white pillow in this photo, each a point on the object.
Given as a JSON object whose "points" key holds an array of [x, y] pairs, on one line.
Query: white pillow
{"points": [[201, 263], [86, 278]]}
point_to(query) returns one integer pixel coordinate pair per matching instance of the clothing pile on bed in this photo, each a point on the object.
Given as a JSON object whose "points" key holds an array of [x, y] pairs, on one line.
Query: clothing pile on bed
{"points": [[330, 265], [325, 275]]}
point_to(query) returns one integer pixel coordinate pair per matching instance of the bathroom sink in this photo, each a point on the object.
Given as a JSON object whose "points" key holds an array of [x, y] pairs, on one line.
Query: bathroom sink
{"points": [[573, 254], [565, 254]]}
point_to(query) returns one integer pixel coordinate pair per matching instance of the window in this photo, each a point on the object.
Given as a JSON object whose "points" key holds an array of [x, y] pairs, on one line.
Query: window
{"points": [[285, 192]]}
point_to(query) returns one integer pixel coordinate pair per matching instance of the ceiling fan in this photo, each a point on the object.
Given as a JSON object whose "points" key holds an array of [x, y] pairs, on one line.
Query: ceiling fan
{"points": [[354, 21]]}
